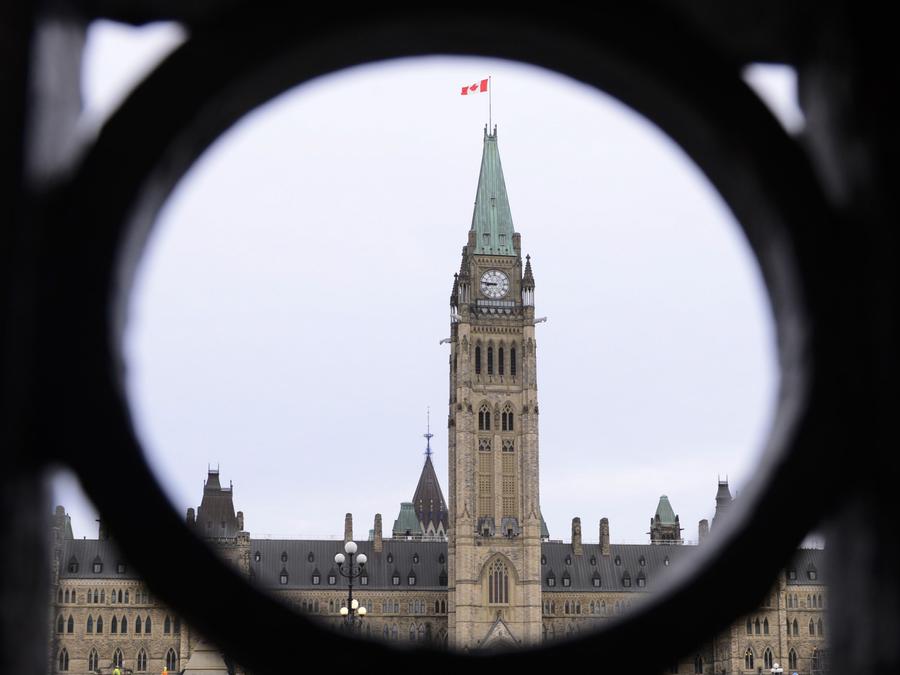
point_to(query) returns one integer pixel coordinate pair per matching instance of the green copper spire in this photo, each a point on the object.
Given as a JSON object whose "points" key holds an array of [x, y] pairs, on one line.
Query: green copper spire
{"points": [[664, 511], [492, 220]]}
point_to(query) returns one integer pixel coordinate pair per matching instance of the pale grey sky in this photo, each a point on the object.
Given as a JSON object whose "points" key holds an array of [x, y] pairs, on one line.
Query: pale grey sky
{"points": [[286, 317]]}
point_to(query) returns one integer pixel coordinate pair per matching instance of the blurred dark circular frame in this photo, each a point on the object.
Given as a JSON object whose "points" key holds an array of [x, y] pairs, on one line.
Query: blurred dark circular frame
{"points": [[651, 63]]}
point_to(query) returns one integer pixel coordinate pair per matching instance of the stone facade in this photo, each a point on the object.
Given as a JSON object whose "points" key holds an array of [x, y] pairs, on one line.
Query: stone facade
{"points": [[477, 572]]}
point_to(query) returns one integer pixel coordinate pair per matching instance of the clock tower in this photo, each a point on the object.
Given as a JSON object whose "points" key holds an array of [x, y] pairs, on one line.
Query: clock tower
{"points": [[495, 518]]}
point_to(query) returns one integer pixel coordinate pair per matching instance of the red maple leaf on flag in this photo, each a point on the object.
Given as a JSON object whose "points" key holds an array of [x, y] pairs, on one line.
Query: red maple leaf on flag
{"points": [[478, 87]]}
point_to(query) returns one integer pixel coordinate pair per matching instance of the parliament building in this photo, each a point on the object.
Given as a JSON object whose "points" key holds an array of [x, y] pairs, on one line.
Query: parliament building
{"points": [[476, 572]]}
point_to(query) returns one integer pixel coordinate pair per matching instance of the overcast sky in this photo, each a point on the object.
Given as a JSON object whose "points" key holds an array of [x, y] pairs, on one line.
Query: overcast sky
{"points": [[286, 320]]}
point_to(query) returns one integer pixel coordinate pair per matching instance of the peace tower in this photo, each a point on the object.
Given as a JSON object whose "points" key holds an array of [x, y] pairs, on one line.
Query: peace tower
{"points": [[495, 517]]}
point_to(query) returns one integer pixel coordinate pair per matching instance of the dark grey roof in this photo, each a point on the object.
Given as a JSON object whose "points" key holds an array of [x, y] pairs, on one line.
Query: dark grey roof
{"points": [[806, 560], [86, 551], [581, 570], [215, 515], [397, 556]]}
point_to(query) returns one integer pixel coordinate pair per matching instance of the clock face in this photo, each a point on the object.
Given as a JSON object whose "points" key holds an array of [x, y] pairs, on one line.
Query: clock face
{"points": [[494, 284]]}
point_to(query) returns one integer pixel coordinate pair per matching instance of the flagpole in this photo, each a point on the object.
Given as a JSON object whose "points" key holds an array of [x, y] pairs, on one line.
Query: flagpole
{"points": [[490, 93]]}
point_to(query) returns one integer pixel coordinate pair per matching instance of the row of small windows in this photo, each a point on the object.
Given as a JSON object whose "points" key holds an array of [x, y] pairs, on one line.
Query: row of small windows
{"points": [[117, 660], [417, 632], [96, 566], [501, 361], [316, 578], [813, 601], [117, 625], [98, 596], [566, 580], [811, 573], [257, 556]]}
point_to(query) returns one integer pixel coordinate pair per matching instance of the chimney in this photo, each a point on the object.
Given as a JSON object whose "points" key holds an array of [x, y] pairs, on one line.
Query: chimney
{"points": [[348, 527], [576, 537], [240, 521], [377, 546], [103, 533], [703, 530], [190, 516], [604, 537]]}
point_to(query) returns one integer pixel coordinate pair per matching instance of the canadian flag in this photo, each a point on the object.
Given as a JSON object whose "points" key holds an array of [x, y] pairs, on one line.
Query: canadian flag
{"points": [[474, 88]]}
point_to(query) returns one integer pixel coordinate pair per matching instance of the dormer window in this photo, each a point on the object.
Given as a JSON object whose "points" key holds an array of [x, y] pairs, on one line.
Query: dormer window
{"points": [[641, 581], [666, 561], [395, 579], [568, 560], [120, 568], [441, 558], [332, 579], [626, 580], [593, 560], [310, 557], [618, 561], [390, 557], [543, 560], [73, 565], [811, 573], [551, 579], [284, 556], [316, 579], [792, 575], [411, 580], [364, 580], [415, 558], [257, 556], [642, 561], [283, 578], [595, 581], [97, 566], [566, 581]]}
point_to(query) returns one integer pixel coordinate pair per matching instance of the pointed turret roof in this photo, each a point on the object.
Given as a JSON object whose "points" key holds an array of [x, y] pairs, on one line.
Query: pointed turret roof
{"points": [[492, 219], [664, 511]]}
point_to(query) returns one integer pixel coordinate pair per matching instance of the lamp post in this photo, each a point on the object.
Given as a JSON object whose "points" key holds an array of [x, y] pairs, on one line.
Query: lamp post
{"points": [[777, 670], [351, 571]]}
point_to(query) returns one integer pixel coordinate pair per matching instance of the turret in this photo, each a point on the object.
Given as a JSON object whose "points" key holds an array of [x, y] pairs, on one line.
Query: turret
{"points": [[723, 501]]}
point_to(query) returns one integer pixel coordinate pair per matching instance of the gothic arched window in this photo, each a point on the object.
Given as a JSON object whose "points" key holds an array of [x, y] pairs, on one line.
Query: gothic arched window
{"points": [[796, 628], [171, 660], [512, 361], [142, 660], [765, 626], [60, 624], [820, 628], [490, 360], [792, 660], [768, 660], [89, 628], [484, 418], [138, 625], [500, 360], [167, 625], [70, 624], [117, 657], [812, 627], [749, 627], [64, 659], [478, 359], [93, 660], [698, 665], [748, 659], [815, 663], [114, 625], [756, 627], [99, 624], [506, 418], [498, 583]]}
